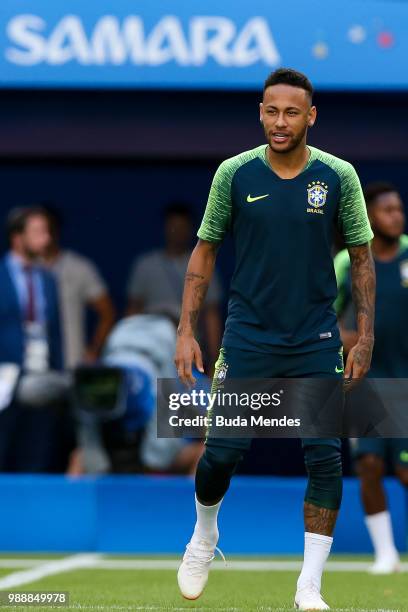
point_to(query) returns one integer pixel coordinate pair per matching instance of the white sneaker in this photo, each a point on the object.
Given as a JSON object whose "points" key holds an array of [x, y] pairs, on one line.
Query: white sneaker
{"points": [[193, 572], [386, 565], [309, 598]]}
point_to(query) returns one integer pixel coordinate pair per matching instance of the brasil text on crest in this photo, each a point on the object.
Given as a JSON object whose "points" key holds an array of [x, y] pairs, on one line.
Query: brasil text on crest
{"points": [[316, 197]]}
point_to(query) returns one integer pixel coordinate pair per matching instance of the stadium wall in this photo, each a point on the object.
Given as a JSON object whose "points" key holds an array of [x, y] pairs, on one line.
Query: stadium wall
{"points": [[138, 514], [188, 125]]}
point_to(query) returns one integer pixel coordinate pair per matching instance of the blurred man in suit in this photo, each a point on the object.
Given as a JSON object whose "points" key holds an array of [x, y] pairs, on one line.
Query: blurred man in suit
{"points": [[30, 339]]}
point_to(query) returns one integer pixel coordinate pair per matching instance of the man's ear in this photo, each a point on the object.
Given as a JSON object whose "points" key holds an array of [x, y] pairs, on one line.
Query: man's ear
{"points": [[312, 116], [261, 112]]}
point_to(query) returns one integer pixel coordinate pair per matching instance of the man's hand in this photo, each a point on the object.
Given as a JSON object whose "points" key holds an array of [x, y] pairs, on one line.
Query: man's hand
{"points": [[187, 352], [358, 361]]}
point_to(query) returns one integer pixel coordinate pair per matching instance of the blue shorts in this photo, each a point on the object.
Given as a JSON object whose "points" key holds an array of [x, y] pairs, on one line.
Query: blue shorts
{"points": [[326, 363], [392, 450]]}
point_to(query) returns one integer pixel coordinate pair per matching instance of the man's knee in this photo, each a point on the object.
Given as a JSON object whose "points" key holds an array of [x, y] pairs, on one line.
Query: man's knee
{"points": [[325, 485], [370, 468], [214, 472], [221, 459]]}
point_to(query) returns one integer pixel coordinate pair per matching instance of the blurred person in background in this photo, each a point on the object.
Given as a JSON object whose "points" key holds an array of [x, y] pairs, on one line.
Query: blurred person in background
{"points": [[34, 436], [124, 437], [390, 358], [80, 287], [157, 278]]}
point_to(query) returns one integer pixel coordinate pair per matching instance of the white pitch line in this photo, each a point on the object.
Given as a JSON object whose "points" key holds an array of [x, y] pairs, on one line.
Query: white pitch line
{"points": [[250, 566], [40, 567], [49, 568]]}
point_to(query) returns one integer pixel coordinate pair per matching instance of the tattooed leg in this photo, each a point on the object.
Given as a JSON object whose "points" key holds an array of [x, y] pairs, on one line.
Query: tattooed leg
{"points": [[319, 525], [319, 520]]}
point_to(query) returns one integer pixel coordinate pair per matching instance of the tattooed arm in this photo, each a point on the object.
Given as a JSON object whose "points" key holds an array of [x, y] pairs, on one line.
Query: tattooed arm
{"points": [[363, 290], [198, 276]]}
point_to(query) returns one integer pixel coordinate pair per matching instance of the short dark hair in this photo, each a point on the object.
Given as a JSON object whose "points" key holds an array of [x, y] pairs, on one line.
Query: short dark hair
{"points": [[178, 208], [17, 219], [375, 189], [288, 76]]}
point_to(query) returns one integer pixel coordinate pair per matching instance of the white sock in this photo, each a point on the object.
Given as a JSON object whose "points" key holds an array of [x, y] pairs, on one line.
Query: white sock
{"points": [[317, 549], [206, 527], [380, 529]]}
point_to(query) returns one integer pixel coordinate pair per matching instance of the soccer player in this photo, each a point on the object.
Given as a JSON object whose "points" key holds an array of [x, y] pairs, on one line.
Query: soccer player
{"points": [[280, 202], [390, 358]]}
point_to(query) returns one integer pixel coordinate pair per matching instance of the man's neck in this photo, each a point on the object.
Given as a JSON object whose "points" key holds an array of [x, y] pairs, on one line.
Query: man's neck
{"points": [[52, 255], [385, 250], [288, 165]]}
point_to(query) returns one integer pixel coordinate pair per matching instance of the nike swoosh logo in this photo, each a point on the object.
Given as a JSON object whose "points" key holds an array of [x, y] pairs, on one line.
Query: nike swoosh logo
{"points": [[338, 370], [251, 199]]}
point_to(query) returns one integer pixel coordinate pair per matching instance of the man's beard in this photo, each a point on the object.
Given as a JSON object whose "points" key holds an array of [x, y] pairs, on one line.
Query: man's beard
{"points": [[30, 255], [293, 144], [389, 240]]}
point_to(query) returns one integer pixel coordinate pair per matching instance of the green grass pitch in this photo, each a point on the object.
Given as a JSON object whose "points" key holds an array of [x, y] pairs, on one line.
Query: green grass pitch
{"points": [[227, 591]]}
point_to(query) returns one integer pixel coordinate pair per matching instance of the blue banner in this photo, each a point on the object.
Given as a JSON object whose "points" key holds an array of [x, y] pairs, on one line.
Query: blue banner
{"points": [[132, 514], [341, 44]]}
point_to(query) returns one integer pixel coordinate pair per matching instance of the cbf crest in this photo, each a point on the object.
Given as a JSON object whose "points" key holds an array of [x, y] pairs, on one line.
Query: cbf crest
{"points": [[316, 197], [221, 373]]}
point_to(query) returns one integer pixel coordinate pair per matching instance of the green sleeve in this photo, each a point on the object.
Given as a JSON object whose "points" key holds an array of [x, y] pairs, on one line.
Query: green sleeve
{"points": [[403, 242], [353, 219], [217, 214], [341, 268]]}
